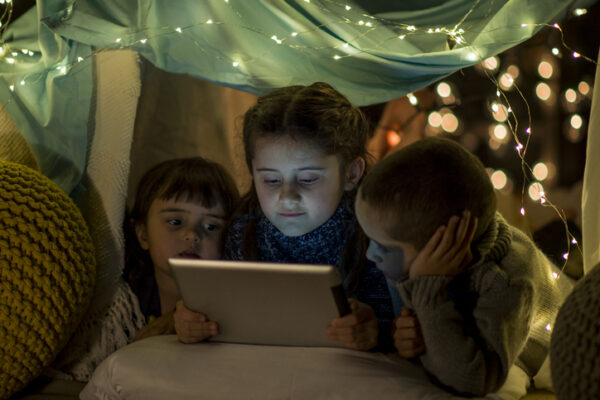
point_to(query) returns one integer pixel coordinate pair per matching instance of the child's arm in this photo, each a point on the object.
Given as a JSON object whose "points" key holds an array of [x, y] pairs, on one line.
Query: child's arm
{"points": [[447, 252], [357, 330], [191, 326], [162, 325], [473, 324]]}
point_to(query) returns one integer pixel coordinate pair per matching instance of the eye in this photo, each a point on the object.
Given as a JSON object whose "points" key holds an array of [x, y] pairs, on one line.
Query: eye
{"points": [[174, 222], [212, 227], [308, 180]]}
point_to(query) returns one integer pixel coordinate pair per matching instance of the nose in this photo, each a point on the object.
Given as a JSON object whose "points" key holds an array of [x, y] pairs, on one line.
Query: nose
{"points": [[289, 193], [192, 235], [372, 253]]}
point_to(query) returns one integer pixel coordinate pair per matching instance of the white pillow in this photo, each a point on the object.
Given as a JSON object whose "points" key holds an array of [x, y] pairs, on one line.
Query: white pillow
{"points": [[161, 368]]}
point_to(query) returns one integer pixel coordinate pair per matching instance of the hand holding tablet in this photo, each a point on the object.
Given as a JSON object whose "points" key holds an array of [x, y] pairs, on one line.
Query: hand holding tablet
{"points": [[263, 303]]}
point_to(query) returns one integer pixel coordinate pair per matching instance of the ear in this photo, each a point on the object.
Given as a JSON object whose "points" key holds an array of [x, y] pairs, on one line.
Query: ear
{"points": [[354, 172], [142, 235]]}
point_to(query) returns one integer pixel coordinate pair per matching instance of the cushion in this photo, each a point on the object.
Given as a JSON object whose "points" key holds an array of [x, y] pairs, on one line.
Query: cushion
{"points": [[161, 367], [47, 273], [575, 343]]}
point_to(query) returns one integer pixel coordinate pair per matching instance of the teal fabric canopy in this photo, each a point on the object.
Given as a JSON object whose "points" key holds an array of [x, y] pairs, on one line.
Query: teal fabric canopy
{"points": [[372, 51]]}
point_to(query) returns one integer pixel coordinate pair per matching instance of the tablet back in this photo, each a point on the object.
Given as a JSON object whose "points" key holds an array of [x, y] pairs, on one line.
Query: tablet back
{"points": [[263, 303]]}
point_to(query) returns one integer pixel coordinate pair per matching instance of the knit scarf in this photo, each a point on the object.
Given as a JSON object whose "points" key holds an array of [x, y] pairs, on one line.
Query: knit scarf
{"points": [[320, 246]]}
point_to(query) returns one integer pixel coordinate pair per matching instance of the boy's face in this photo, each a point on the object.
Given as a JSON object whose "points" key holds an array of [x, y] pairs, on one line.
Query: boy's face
{"points": [[298, 186], [180, 229], [391, 256]]}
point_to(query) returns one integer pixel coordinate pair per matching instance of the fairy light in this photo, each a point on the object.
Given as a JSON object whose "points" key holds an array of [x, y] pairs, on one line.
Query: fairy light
{"points": [[584, 88], [361, 22], [490, 63], [522, 211], [540, 171], [548, 328], [276, 39], [443, 89], [528, 131], [210, 21], [573, 241], [22, 83], [576, 121], [79, 59], [434, 119], [118, 40], [10, 60], [576, 54], [235, 64], [571, 95], [412, 99], [450, 123], [555, 51], [499, 179], [178, 30], [294, 34], [545, 69], [336, 57], [348, 8], [143, 41], [543, 91], [500, 132], [555, 275], [580, 11], [411, 28], [401, 37]]}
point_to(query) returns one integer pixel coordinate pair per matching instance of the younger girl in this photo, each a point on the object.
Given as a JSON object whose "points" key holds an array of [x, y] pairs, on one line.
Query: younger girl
{"points": [[180, 210], [305, 147]]}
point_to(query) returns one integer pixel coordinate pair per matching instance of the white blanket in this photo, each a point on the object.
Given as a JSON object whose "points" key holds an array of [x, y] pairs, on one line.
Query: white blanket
{"points": [[163, 368]]}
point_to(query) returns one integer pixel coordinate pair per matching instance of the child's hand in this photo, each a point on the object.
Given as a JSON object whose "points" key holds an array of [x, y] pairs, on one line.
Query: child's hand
{"points": [[191, 326], [448, 251], [162, 325], [357, 330], [408, 338]]}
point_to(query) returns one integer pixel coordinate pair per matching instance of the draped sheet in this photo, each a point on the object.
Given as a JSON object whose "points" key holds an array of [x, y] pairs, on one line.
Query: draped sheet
{"points": [[371, 50]]}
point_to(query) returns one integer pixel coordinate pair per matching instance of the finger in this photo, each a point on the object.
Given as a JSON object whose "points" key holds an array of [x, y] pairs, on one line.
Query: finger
{"points": [[434, 241], [405, 312], [406, 322], [407, 334], [448, 239]]}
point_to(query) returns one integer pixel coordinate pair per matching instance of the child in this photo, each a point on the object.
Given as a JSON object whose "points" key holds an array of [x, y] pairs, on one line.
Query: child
{"points": [[478, 314], [305, 147], [180, 210]]}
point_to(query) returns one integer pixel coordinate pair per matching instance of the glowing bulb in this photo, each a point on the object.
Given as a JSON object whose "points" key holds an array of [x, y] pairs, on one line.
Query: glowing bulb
{"points": [[449, 123], [235, 64], [178, 29], [336, 57], [555, 51], [554, 275], [545, 69], [506, 81], [522, 211], [393, 138], [543, 91], [444, 90], [348, 8], [576, 54], [143, 41], [583, 87], [401, 37], [435, 119], [412, 99], [361, 22], [499, 179], [548, 327], [118, 40], [490, 63], [571, 95], [499, 112], [12, 88], [576, 121], [471, 56], [369, 24], [210, 21], [500, 132], [536, 191], [574, 241], [10, 60], [294, 34], [22, 83], [528, 130], [540, 171], [411, 28], [79, 59], [580, 11]]}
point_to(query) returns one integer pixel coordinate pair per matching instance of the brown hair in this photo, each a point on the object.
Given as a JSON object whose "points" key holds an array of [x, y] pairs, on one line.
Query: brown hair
{"points": [[419, 187]]}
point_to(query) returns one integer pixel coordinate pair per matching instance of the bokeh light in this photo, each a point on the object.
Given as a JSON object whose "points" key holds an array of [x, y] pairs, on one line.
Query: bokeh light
{"points": [[543, 91], [576, 121], [571, 95], [443, 89], [535, 191], [434, 119], [491, 63], [499, 179], [584, 88], [500, 112], [545, 69], [540, 171], [449, 123]]}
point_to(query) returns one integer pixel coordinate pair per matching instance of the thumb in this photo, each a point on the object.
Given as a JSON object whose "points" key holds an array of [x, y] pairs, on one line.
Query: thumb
{"points": [[406, 312]]}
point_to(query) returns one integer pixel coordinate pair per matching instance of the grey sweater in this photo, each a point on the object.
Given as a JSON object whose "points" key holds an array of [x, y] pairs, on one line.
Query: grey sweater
{"points": [[500, 311]]}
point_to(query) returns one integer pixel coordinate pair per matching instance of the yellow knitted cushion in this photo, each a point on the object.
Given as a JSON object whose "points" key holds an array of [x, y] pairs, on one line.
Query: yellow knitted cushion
{"points": [[47, 273]]}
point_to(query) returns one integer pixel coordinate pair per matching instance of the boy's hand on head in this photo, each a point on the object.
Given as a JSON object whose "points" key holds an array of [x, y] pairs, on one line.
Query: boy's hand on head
{"points": [[357, 330], [162, 325], [448, 251], [191, 326], [407, 335]]}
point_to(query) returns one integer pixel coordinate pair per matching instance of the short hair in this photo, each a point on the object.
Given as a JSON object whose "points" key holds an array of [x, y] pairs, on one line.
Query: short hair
{"points": [[419, 187]]}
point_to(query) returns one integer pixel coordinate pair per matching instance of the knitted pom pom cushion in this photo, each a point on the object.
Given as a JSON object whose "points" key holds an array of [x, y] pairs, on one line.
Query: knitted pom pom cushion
{"points": [[47, 273], [575, 344]]}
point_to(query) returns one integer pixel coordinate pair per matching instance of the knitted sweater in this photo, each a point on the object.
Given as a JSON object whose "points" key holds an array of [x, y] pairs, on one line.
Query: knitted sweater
{"points": [[498, 312], [320, 246]]}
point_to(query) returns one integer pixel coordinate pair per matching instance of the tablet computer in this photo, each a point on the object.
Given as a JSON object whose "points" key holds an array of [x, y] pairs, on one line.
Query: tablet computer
{"points": [[263, 303]]}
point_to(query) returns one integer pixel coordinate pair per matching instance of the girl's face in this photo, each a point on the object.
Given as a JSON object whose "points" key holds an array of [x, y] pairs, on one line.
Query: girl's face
{"points": [[299, 187], [180, 229]]}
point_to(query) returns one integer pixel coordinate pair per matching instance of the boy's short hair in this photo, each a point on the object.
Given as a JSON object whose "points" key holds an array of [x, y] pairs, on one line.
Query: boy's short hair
{"points": [[419, 187]]}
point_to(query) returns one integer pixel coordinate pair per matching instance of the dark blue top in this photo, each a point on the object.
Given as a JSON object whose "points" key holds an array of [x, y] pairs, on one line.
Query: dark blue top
{"points": [[320, 246]]}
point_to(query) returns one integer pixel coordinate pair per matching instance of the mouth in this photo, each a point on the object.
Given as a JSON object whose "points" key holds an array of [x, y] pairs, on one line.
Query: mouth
{"points": [[291, 214], [189, 254]]}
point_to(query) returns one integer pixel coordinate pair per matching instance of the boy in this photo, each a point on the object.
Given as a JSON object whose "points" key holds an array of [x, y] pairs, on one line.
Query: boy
{"points": [[480, 312]]}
